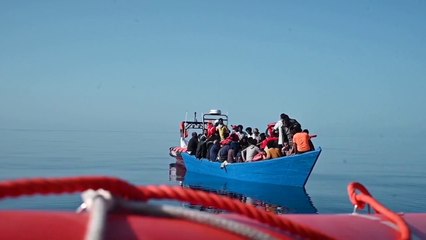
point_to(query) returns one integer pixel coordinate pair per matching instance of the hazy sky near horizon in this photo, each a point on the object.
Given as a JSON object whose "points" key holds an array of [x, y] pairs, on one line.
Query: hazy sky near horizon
{"points": [[133, 65]]}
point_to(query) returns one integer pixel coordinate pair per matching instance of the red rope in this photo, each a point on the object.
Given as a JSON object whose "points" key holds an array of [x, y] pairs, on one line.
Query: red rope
{"points": [[22, 187], [352, 188], [225, 203], [125, 190], [366, 198]]}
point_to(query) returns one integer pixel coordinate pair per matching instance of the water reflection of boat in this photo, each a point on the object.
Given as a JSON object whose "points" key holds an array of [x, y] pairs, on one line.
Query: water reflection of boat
{"points": [[276, 198], [176, 172]]}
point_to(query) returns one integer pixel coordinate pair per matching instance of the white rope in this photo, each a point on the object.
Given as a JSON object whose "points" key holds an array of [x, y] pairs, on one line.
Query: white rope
{"points": [[98, 203], [195, 216]]}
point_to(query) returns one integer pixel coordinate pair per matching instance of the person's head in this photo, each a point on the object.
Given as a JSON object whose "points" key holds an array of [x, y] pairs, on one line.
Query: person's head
{"points": [[271, 144], [194, 134], [262, 136], [249, 130], [220, 120], [306, 131], [256, 131], [240, 128], [284, 117], [216, 123], [270, 130]]}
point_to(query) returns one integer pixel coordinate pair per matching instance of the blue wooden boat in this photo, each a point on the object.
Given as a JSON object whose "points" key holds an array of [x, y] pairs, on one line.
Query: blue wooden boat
{"points": [[291, 170]]}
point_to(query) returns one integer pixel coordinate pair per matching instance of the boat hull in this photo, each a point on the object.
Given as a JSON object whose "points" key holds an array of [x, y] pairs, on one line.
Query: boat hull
{"points": [[23, 225], [290, 171]]}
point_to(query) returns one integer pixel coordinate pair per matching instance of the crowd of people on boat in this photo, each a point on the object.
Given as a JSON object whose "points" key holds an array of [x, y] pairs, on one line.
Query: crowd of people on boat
{"points": [[219, 143]]}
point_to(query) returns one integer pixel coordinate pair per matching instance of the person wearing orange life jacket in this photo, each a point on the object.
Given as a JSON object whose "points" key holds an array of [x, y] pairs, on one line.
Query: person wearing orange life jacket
{"points": [[310, 135], [301, 141]]}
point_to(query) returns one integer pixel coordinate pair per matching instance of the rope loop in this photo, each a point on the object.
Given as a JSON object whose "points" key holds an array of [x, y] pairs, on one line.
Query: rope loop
{"points": [[352, 192], [365, 197]]}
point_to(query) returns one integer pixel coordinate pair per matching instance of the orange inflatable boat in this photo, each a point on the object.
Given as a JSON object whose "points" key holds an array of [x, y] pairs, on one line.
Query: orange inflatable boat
{"points": [[115, 209]]}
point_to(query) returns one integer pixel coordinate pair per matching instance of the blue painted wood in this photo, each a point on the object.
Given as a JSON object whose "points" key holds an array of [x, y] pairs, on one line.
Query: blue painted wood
{"points": [[290, 171]]}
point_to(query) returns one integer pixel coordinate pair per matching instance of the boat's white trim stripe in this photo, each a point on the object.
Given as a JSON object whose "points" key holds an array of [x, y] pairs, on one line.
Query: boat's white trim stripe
{"points": [[374, 218], [384, 222]]}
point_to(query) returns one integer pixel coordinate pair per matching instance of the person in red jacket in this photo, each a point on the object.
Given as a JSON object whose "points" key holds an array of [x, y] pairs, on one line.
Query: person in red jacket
{"points": [[211, 129]]}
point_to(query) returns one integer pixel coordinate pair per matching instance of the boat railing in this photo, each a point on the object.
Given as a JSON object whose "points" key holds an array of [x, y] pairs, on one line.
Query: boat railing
{"points": [[210, 117]]}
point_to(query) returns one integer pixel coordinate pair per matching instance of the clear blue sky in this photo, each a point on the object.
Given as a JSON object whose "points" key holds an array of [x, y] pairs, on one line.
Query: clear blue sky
{"points": [[122, 65]]}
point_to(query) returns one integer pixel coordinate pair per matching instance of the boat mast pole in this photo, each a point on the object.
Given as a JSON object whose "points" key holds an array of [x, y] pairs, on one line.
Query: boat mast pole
{"points": [[184, 129]]}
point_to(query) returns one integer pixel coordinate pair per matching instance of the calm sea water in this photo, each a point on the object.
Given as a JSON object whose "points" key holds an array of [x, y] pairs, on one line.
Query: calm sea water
{"points": [[394, 175]]}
